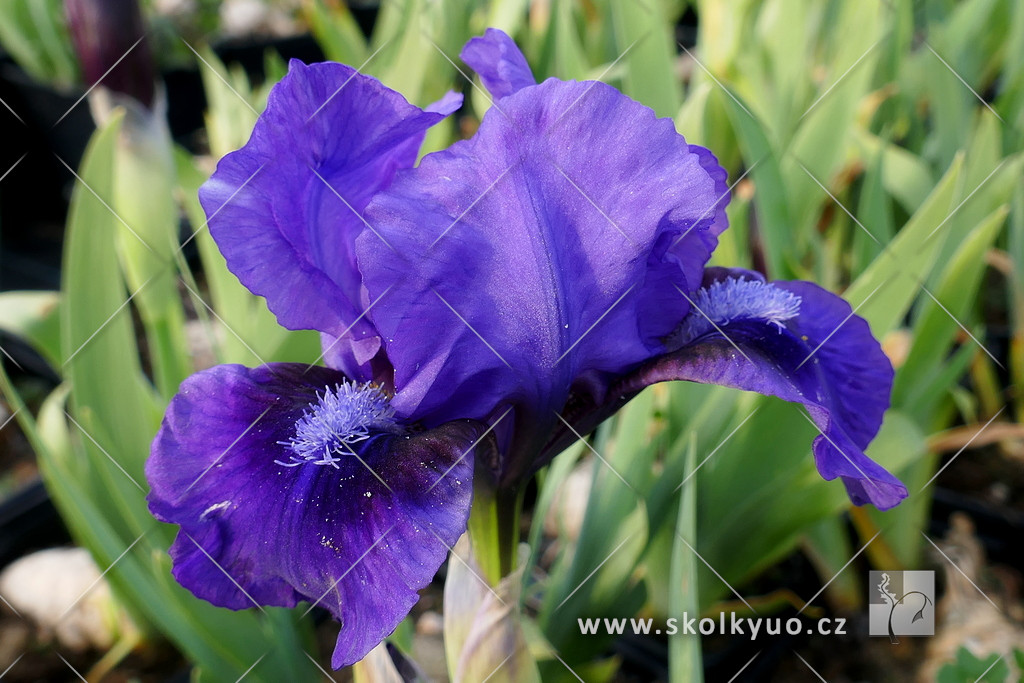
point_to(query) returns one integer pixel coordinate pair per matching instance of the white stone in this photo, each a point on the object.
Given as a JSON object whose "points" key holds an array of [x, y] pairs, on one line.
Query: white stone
{"points": [[62, 591]]}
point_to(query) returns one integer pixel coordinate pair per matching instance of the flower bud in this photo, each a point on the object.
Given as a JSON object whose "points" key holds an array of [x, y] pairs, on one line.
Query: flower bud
{"points": [[110, 39]]}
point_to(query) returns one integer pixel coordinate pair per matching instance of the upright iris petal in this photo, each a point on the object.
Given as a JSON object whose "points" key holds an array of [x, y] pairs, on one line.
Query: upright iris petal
{"points": [[286, 208], [293, 484], [504, 71], [498, 61], [535, 254]]}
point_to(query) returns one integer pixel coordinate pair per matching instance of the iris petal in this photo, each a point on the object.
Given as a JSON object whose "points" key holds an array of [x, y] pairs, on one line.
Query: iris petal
{"points": [[823, 357], [529, 255], [286, 208], [360, 537], [498, 61]]}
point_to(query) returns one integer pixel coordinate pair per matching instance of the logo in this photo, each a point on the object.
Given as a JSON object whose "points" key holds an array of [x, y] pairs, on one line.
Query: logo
{"points": [[901, 603]]}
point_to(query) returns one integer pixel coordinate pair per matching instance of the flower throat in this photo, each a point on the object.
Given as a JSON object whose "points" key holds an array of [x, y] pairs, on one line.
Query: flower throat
{"points": [[341, 417]]}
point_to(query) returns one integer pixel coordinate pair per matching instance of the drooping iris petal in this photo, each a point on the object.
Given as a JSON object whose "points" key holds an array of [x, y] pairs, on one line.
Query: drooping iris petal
{"points": [[496, 57], [529, 256], [801, 343], [235, 464], [285, 209]]}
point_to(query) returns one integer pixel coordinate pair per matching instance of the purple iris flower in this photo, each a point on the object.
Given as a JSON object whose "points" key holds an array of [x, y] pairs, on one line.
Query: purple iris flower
{"points": [[485, 305]]}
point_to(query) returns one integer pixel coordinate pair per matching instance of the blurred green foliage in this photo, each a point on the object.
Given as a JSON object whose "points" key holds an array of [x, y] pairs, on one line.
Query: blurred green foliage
{"points": [[35, 34], [873, 147]]}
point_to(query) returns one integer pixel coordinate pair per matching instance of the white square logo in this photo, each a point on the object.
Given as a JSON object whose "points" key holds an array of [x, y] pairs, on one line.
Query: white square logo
{"points": [[901, 603]]}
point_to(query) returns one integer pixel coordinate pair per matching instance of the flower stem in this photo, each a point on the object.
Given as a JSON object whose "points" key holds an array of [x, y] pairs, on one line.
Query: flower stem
{"points": [[494, 526]]}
